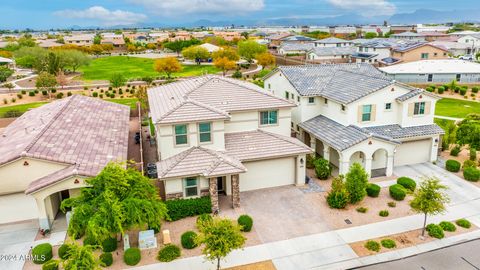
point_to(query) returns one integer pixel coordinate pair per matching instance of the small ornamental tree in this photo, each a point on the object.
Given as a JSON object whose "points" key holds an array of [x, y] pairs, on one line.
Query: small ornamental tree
{"points": [[224, 64], [338, 196], [249, 49], [228, 52], [356, 183], [265, 59], [117, 80], [220, 237], [167, 65], [80, 257], [46, 81], [196, 53], [116, 200], [429, 199]]}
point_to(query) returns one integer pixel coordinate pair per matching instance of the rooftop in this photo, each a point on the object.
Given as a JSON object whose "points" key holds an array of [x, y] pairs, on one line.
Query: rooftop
{"points": [[407, 34], [298, 38], [445, 66], [410, 46], [295, 46], [332, 40], [344, 83], [208, 97], [327, 51]]}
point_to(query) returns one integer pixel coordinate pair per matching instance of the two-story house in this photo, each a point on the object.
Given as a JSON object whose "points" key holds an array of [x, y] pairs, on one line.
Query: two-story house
{"points": [[221, 136], [410, 52], [353, 113], [333, 42], [374, 51]]}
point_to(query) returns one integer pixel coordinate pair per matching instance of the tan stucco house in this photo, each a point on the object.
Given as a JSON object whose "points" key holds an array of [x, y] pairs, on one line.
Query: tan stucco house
{"points": [[220, 136], [411, 52], [48, 152]]}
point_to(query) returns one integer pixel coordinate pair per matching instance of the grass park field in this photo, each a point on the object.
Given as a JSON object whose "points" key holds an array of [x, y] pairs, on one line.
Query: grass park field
{"points": [[456, 107], [134, 67]]}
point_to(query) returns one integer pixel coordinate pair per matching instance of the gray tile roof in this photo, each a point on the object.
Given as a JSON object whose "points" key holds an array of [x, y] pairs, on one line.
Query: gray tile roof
{"points": [[260, 144], [398, 132], [327, 51], [333, 40], [199, 161], [297, 38], [363, 55], [206, 98], [294, 46], [78, 130], [343, 83], [407, 34], [52, 179]]}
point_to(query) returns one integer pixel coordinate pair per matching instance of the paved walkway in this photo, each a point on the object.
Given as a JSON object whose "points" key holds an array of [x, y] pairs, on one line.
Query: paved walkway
{"points": [[448, 118], [330, 250]]}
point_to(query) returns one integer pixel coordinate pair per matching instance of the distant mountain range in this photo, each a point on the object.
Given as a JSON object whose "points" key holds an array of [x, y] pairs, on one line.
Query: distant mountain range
{"points": [[418, 16]]}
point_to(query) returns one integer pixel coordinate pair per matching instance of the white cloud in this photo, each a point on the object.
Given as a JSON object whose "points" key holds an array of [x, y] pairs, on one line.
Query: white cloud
{"points": [[176, 7], [367, 8], [105, 16]]}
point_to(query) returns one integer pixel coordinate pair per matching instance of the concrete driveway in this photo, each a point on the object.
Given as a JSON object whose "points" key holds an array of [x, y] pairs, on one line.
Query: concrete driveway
{"points": [[284, 212], [15, 241]]}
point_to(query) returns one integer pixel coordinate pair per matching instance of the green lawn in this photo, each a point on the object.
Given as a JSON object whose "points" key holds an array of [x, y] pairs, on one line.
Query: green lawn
{"points": [[20, 108], [125, 101], [134, 68], [456, 107]]}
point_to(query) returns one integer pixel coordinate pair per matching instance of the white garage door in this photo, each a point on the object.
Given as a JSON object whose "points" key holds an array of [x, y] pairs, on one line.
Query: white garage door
{"points": [[412, 152], [17, 207], [268, 173]]}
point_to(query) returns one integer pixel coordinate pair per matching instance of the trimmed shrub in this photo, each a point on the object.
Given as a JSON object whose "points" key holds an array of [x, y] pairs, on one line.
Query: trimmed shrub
{"points": [[407, 183], [94, 94], [20, 96], [88, 240], [435, 231], [310, 160], [471, 174], [469, 163], [23, 92], [106, 259], [388, 243], [51, 265], [441, 89], [463, 223], [109, 244], [188, 240], [362, 209], [383, 213], [63, 251], [323, 169], [338, 196], [397, 192], [392, 204], [53, 90], [455, 151], [60, 95], [372, 245], [447, 226], [182, 208], [452, 165], [31, 93], [356, 182], [69, 93], [169, 253], [132, 256], [463, 91], [246, 222], [42, 253], [472, 154], [475, 89], [237, 74], [373, 190], [44, 92]]}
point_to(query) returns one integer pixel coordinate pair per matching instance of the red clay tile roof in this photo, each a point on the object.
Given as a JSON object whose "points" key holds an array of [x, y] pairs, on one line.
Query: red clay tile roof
{"points": [[78, 130]]}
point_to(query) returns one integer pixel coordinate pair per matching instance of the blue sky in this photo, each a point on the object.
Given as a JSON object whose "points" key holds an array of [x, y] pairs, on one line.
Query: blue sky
{"points": [[43, 14]]}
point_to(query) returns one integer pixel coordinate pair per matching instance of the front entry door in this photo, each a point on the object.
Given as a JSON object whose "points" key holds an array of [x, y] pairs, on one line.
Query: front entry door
{"points": [[220, 186]]}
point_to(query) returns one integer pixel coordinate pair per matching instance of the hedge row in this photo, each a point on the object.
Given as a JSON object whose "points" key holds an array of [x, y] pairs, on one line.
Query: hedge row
{"points": [[182, 208]]}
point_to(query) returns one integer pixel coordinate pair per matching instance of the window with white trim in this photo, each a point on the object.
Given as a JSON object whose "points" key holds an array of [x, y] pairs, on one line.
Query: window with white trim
{"points": [[311, 100], [366, 113], [388, 106], [181, 136], [268, 118], [419, 108], [190, 187], [205, 132]]}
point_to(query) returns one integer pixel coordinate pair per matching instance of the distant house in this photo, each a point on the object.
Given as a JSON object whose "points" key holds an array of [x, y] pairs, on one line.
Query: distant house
{"points": [[275, 40], [210, 47], [79, 39], [463, 33], [333, 42], [117, 40], [228, 35], [373, 50], [454, 48], [408, 36], [432, 36], [48, 152], [7, 61], [403, 28], [472, 41], [411, 52], [293, 48], [330, 54], [297, 39], [435, 71]]}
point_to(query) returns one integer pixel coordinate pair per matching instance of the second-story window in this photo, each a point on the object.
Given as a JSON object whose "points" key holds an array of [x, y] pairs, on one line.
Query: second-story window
{"points": [[181, 136], [366, 113], [388, 106], [268, 118], [205, 131], [311, 100], [419, 108], [343, 107], [287, 95], [424, 55], [325, 101]]}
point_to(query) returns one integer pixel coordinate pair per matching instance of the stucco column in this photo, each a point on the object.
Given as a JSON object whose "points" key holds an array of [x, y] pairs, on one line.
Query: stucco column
{"points": [[235, 191], [326, 152], [368, 166], [43, 220], [343, 166], [300, 170], [212, 187], [434, 150], [389, 171], [313, 144]]}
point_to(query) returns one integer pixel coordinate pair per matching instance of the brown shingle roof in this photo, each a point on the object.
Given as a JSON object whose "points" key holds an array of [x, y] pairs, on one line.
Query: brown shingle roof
{"points": [[217, 94], [199, 161], [260, 144], [78, 130]]}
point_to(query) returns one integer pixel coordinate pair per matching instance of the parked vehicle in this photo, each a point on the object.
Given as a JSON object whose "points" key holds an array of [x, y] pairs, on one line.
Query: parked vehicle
{"points": [[137, 138], [468, 57]]}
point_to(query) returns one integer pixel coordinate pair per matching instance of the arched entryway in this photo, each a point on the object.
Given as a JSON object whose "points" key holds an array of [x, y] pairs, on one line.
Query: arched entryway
{"points": [[379, 163], [358, 157]]}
